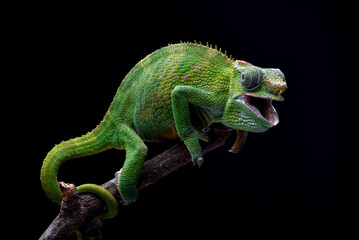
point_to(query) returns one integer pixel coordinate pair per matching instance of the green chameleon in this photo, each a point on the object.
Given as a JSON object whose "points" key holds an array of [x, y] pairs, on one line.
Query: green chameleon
{"points": [[158, 100]]}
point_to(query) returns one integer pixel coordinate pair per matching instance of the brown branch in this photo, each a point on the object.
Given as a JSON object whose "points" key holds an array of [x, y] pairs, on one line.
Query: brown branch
{"points": [[81, 212]]}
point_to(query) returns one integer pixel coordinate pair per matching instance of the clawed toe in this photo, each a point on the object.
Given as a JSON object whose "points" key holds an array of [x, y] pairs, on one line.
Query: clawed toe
{"points": [[199, 161]]}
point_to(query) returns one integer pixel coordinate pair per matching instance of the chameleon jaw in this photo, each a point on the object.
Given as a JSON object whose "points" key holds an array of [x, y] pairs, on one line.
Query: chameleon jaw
{"points": [[261, 107]]}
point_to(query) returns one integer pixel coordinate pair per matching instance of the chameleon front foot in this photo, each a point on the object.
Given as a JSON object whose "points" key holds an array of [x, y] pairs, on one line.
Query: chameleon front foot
{"points": [[241, 139], [199, 161], [192, 144]]}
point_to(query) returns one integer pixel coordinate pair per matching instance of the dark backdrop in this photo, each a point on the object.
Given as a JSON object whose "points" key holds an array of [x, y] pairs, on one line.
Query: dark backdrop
{"points": [[302, 174]]}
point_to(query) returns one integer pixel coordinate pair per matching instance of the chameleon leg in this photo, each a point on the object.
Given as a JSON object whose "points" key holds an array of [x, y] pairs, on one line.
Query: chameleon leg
{"points": [[181, 96], [136, 152]]}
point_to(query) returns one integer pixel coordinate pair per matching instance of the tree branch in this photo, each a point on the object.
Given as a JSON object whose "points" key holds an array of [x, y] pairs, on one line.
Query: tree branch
{"points": [[81, 212]]}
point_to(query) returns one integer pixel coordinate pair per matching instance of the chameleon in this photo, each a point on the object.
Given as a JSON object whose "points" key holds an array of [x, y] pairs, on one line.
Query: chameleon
{"points": [[174, 92]]}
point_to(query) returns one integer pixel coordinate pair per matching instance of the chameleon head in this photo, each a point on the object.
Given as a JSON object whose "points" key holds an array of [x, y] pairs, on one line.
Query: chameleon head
{"points": [[253, 89]]}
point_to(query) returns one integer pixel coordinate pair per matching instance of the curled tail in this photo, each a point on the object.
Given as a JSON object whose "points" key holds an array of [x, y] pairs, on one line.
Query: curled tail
{"points": [[91, 143]]}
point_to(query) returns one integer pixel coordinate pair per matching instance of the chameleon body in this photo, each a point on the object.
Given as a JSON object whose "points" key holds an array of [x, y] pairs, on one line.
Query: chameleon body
{"points": [[159, 98]]}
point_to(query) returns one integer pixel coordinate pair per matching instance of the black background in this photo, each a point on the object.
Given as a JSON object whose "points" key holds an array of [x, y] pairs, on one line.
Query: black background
{"points": [[303, 174]]}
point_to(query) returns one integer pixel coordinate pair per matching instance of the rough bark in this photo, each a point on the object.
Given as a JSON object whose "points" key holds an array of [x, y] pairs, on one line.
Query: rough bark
{"points": [[81, 212]]}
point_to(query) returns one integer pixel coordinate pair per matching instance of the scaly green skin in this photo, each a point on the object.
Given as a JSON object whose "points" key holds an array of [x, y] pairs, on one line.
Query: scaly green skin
{"points": [[158, 100]]}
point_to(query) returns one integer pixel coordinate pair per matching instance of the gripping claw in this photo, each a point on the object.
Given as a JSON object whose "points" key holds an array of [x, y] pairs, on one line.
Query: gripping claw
{"points": [[199, 162]]}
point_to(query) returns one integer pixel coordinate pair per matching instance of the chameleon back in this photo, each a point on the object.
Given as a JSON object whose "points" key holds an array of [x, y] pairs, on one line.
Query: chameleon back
{"points": [[143, 99]]}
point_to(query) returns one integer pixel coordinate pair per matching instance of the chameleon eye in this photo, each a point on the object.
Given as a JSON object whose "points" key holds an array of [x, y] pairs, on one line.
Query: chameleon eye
{"points": [[251, 78]]}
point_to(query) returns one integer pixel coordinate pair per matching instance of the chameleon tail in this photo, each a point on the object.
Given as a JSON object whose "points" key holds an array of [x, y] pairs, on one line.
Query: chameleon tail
{"points": [[91, 143]]}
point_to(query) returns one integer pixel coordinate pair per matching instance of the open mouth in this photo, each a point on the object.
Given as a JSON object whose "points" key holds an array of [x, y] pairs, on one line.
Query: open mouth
{"points": [[261, 107]]}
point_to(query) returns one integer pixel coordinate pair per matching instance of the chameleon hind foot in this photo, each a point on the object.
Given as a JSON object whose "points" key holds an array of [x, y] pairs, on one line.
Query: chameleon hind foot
{"points": [[128, 198]]}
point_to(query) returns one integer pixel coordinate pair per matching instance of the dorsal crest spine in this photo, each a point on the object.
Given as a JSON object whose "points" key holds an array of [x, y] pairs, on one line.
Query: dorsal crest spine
{"points": [[199, 43]]}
